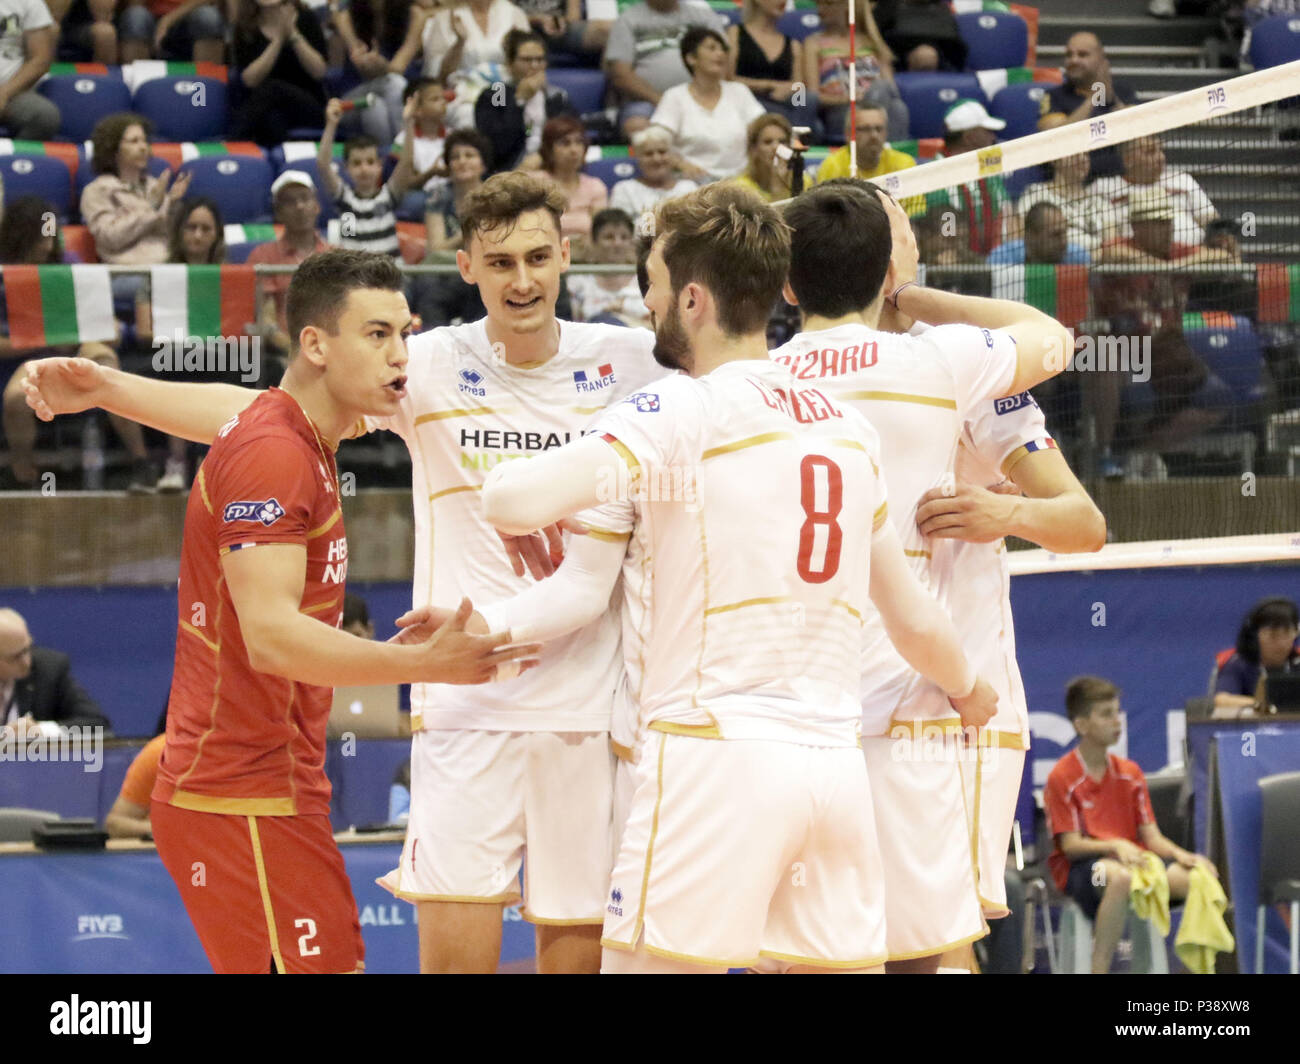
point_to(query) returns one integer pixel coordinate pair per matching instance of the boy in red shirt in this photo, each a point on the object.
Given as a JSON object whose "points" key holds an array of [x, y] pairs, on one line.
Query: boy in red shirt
{"points": [[1099, 812]]}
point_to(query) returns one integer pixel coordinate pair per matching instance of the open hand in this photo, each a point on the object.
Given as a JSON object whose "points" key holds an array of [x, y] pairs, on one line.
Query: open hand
{"points": [[62, 385]]}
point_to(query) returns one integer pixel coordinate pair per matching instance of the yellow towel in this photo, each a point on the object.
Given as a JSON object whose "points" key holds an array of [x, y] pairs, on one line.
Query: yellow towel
{"points": [[1203, 932], [1149, 892]]}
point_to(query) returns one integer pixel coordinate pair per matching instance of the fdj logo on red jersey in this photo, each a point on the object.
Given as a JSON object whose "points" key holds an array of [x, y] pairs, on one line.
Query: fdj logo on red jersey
{"points": [[267, 512], [602, 378]]}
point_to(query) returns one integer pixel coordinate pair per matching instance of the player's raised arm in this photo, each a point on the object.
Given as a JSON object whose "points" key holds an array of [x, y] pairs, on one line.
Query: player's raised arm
{"points": [[922, 632], [266, 586], [191, 411], [521, 497]]}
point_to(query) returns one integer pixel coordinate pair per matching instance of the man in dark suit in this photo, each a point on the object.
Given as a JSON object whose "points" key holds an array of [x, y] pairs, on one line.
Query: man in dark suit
{"points": [[36, 683], [511, 114]]}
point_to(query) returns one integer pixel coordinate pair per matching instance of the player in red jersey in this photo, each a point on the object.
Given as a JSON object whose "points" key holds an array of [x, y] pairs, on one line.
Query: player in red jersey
{"points": [[241, 807]]}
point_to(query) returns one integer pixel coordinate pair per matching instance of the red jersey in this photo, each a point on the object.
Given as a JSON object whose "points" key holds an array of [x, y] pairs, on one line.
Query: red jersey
{"points": [[1113, 807], [241, 741]]}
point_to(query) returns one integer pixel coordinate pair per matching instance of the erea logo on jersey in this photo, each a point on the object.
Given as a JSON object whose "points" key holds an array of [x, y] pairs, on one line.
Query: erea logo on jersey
{"points": [[471, 383], [266, 512], [603, 377]]}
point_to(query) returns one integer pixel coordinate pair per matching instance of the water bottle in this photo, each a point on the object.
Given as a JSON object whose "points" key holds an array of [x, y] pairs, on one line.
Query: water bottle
{"points": [[92, 456]]}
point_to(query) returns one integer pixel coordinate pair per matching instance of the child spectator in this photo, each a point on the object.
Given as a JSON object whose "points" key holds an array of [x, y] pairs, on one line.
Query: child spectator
{"points": [[1099, 813], [367, 207], [429, 110], [442, 297], [656, 178], [612, 298]]}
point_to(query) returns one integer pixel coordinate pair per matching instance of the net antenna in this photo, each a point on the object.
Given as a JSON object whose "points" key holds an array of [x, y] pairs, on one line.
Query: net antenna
{"points": [[853, 87]]}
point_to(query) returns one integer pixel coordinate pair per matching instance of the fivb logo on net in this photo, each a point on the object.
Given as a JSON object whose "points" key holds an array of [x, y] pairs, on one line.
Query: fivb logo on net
{"points": [[179, 353], [72, 744]]}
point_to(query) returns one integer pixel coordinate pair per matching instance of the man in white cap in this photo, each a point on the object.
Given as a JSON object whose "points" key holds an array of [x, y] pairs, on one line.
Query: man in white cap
{"points": [[969, 127], [293, 198]]}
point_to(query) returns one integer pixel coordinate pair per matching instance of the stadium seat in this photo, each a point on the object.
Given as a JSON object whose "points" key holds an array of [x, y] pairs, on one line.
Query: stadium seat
{"points": [[1019, 107], [586, 88], [184, 108], [612, 171], [82, 100], [38, 175], [799, 24], [240, 185], [733, 15], [994, 39], [1275, 41], [237, 254], [928, 96], [1228, 345], [77, 239]]}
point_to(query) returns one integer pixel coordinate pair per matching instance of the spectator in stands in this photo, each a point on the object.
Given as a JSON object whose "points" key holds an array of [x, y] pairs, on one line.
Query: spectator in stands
{"points": [[1089, 90], [656, 178], [643, 57], [923, 33], [453, 40], [875, 156], [293, 198], [564, 150], [1145, 168], [707, 115], [613, 298], [356, 617], [764, 59], [367, 207], [983, 204], [1099, 813], [1046, 242], [563, 28], [88, 26], [172, 29], [36, 684], [1266, 643], [1067, 191], [826, 68], [767, 172], [511, 113], [371, 33], [429, 109], [30, 236], [129, 817], [280, 52], [26, 51], [468, 156], [943, 239]]}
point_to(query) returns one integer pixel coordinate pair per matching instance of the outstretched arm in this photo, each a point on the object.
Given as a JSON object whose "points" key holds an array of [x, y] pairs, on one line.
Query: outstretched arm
{"points": [[520, 497]]}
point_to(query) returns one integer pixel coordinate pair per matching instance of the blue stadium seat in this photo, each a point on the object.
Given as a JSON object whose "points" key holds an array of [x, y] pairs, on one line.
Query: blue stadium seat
{"points": [[1018, 180], [38, 175], [237, 254], [83, 99], [1019, 107], [994, 39], [586, 88], [184, 109], [1275, 41], [929, 95], [240, 185], [612, 171], [799, 24], [733, 15], [1233, 354]]}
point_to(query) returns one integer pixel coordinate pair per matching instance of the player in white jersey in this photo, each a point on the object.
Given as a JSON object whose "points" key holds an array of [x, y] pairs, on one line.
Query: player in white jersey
{"points": [[917, 391], [747, 517], [527, 766], [1011, 480]]}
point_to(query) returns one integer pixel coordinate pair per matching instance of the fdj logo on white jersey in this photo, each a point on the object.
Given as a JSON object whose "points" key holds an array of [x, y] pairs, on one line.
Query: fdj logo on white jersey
{"points": [[602, 378], [1013, 402]]}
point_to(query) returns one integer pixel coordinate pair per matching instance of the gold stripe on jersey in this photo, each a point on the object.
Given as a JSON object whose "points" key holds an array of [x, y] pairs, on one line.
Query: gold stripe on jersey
{"points": [[453, 491], [852, 612], [264, 887], [740, 445], [335, 518], [606, 536], [791, 958], [1003, 740], [442, 415], [211, 803], [879, 517], [214, 647], [320, 607], [203, 490], [216, 700], [586, 410], [691, 731], [901, 397], [924, 729], [748, 602], [623, 753], [851, 443], [587, 922], [916, 553], [650, 847], [629, 459], [932, 950]]}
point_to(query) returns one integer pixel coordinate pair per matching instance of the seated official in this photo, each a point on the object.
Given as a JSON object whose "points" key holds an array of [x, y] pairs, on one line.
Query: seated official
{"points": [[36, 684], [1266, 643], [129, 817]]}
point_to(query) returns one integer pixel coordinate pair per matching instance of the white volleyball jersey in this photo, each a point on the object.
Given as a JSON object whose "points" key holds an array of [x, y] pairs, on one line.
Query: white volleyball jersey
{"points": [[916, 391], [1002, 433], [465, 410], [752, 507]]}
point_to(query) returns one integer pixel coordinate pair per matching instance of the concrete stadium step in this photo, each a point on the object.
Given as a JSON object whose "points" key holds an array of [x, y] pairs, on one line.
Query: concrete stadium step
{"points": [[1151, 82], [1147, 54], [1125, 30]]}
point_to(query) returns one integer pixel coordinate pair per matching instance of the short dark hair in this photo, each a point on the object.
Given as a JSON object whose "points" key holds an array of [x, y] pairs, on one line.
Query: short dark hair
{"points": [[696, 36], [1034, 216], [107, 137], [836, 224], [358, 143], [503, 197], [1084, 692], [610, 216], [1221, 227], [419, 85], [320, 286], [643, 245], [1266, 613], [22, 226], [468, 138], [516, 39]]}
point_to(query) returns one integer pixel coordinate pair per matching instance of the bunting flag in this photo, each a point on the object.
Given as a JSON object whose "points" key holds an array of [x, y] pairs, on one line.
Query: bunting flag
{"points": [[1061, 291], [994, 81], [173, 154], [922, 150], [92, 69], [143, 70], [303, 150], [251, 234], [65, 153], [1279, 291], [53, 305], [1205, 320], [201, 300]]}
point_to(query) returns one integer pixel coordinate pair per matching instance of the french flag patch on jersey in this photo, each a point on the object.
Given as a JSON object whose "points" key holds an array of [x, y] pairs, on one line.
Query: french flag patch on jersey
{"points": [[603, 377], [1043, 443]]}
